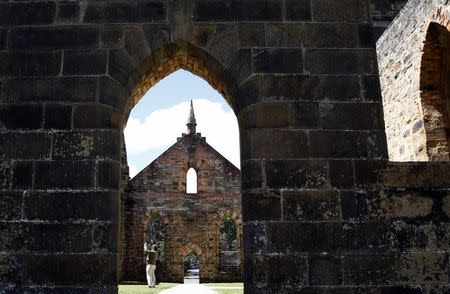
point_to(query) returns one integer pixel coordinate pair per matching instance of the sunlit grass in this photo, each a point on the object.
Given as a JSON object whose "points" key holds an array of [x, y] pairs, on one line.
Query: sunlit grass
{"points": [[144, 289], [217, 287]]}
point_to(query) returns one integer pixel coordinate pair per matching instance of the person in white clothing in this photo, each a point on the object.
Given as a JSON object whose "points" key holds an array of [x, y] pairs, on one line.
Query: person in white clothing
{"points": [[151, 256]]}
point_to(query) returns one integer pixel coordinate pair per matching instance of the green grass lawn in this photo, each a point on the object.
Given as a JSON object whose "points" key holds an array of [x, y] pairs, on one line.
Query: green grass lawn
{"points": [[144, 289], [227, 291]]}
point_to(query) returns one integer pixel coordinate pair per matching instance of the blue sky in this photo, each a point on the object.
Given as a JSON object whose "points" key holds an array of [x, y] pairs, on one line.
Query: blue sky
{"points": [[160, 117]]}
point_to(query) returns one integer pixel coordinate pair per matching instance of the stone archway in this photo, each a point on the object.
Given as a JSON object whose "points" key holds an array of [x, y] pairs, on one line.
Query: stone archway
{"points": [[318, 194], [434, 80]]}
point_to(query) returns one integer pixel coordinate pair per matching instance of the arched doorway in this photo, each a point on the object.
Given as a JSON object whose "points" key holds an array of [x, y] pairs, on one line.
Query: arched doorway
{"points": [[177, 184], [435, 91], [191, 264]]}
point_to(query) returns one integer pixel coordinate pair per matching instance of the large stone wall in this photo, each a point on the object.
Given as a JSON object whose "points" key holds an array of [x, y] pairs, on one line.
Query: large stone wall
{"points": [[191, 221], [401, 56], [383, 12], [323, 210]]}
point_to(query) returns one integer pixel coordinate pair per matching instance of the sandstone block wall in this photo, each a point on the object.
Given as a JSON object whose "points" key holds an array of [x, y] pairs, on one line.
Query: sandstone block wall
{"points": [[400, 55], [190, 221], [323, 210]]}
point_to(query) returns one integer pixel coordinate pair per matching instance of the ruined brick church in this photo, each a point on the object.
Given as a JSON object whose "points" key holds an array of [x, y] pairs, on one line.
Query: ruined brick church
{"points": [[343, 112], [160, 207]]}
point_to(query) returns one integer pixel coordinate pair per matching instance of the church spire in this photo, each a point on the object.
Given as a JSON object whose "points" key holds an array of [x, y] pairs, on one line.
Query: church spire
{"points": [[192, 123]]}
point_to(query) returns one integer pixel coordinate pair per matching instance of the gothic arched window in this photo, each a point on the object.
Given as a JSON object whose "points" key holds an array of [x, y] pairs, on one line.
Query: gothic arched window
{"points": [[191, 181]]}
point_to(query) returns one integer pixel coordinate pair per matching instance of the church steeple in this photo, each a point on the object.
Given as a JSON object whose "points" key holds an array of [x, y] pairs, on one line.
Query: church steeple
{"points": [[192, 123]]}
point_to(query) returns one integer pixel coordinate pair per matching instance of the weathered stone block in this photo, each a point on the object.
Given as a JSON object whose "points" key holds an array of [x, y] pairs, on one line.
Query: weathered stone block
{"points": [[67, 37], [108, 174], [25, 145], [446, 206], [64, 175], [113, 94], [86, 144], [125, 11], [112, 36], [68, 89], [385, 205], [261, 143], [3, 35], [11, 268], [367, 38], [289, 237], [240, 67], [314, 205], [252, 176], [278, 61], [68, 11], [346, 144], [234, 10], [11, 205], [296, 174], [30, 64], [299, 10], [408, 237], [304, 115], [69, 269], [354, 205], [344, 11], [388, 268], [290, 267], [371, 88], [64, 206], [135, 44], [304, 87], [21, 116], [85, 62], [105, 237], [354, 116], [90, 116], [58, 238], [343, 61], [22, 175], [5, 173], [57, 116], [12, 237], [265, 115], [341, 174], [157, 35], [308, 35], [32, 13], [324, 270], [255, 237], [120, 68], [367, 235], [252, 35], [261, 206]]}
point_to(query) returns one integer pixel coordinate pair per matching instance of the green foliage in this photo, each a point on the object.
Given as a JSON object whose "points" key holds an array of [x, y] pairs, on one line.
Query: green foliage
{"points": [[190, 260], [228, 235], [155, 235]]}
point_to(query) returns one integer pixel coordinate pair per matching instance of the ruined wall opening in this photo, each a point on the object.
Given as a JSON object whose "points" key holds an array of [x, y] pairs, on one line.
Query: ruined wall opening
{"points": [[191, 266], [157, 121], [229, 244], [191, 181], [435, 91]]}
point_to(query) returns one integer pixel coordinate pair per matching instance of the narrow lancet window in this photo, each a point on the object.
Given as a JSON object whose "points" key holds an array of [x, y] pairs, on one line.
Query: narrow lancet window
{"points": [[191, 181]]}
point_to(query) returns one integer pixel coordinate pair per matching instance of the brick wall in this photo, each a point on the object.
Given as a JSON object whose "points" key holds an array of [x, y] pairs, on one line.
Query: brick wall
{"points": [[191, 221]]}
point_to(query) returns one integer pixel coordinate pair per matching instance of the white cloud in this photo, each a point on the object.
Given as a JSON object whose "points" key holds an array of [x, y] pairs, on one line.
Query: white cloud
{"points": [[161, 128], [132, 169]]}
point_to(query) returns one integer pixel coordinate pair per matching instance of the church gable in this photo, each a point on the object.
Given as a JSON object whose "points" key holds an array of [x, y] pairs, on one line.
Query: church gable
{"points": [[167, 173]]}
